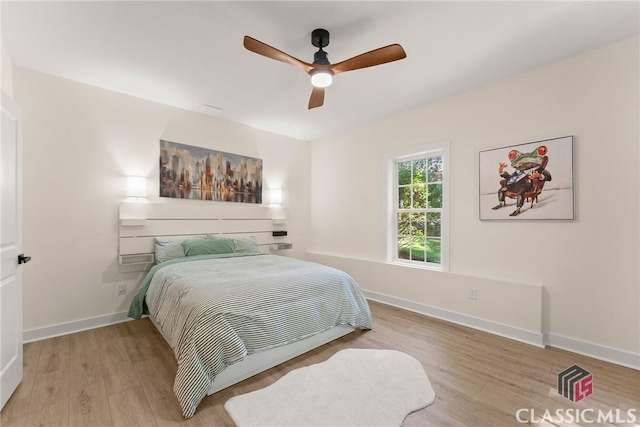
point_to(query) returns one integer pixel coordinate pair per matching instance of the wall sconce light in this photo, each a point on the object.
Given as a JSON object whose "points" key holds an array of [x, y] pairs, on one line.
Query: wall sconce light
{"points": [[275, 196], [136, 186]]}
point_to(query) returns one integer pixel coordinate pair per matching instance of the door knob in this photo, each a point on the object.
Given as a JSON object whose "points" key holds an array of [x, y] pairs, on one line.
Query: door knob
{"points": [[23, 259]]}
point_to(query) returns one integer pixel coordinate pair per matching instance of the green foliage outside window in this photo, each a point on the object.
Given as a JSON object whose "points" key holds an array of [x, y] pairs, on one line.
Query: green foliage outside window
{"points": [[419, 209]]}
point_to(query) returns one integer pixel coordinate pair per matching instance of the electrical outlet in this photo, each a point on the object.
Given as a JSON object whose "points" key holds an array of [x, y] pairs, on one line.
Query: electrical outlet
{"points": [[121, 288], [473, 293]]}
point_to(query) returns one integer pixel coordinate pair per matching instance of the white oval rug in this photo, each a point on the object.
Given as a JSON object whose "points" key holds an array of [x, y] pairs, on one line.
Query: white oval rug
{"points": [[355, 387]]}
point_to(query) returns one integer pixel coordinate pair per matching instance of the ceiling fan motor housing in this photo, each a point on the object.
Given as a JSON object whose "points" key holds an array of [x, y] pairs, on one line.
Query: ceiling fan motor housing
{"points": [[320, 57]]}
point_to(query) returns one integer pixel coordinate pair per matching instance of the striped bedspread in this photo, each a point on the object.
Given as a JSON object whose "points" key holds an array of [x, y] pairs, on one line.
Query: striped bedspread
{"points": [[215, 310]]}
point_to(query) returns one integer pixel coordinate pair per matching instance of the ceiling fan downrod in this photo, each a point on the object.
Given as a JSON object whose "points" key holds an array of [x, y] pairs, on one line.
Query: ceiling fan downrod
{"points": [[320, 39]]}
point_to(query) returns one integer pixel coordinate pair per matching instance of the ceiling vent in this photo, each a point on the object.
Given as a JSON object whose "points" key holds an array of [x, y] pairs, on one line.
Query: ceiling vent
{"points": [[210, 110]]}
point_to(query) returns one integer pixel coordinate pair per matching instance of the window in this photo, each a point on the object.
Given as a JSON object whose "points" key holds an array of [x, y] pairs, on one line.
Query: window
{"points": [[419, 212]]}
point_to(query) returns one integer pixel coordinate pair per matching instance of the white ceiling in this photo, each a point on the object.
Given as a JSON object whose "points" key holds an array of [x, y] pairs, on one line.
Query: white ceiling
{"points": [[188, 54]]}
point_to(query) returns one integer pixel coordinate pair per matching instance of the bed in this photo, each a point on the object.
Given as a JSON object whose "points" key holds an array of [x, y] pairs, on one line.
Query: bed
{"points": [[229, 314]]}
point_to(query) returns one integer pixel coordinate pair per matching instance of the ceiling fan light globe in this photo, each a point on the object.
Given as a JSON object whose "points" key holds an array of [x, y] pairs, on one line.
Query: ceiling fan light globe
{"points": [[321, 79]]}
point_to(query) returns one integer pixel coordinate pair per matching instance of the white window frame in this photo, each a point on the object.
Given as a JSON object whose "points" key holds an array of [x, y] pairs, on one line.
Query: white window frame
{"points": [[391, 203]]}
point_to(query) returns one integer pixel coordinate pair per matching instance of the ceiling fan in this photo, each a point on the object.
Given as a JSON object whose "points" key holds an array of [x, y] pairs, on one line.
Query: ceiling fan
{"points": [[321, 70]]}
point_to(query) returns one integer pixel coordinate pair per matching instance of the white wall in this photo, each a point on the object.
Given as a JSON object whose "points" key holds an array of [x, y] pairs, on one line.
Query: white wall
{"points": [[79, 144], [6, 70], [589, 267]]}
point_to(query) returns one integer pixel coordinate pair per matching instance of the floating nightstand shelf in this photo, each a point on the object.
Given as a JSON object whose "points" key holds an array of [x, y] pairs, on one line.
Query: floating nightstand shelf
{"points": [[136, 259], [280, 246]]}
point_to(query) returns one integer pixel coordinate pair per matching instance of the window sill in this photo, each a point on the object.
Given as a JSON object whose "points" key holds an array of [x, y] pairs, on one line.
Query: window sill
{"points": [[417, 266]]}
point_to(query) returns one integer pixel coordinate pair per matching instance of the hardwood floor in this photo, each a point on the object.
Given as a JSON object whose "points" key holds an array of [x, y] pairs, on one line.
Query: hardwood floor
{"points": [[122, 375]]}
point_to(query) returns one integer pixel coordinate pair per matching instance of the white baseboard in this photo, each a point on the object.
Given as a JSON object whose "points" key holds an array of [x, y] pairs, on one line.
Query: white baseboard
{"points": [[75, 326], [521, 335], [597, 351]]}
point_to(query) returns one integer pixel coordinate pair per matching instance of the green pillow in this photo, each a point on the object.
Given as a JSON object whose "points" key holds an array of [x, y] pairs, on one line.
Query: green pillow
{"points": [[247, 245], [169, 248], [208, 247]]}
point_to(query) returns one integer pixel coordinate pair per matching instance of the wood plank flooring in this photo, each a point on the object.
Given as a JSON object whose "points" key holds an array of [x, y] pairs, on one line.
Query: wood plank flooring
{"points": [[122, 375]]}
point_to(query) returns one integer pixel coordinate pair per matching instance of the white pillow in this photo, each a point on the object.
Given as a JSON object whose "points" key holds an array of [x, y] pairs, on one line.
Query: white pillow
{"points": [[248, 245]]}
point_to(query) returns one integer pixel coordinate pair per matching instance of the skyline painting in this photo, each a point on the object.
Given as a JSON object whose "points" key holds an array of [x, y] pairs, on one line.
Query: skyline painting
{"points": [[188, 172]]}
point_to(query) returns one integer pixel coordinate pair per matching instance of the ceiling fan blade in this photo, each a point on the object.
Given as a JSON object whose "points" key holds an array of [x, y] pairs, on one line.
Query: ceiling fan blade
{"points": [[378, 56], [264, 49], [317, 97]]}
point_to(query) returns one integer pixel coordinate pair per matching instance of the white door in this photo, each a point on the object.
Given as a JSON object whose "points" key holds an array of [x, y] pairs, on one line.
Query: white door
{"points": [[10, 246]]}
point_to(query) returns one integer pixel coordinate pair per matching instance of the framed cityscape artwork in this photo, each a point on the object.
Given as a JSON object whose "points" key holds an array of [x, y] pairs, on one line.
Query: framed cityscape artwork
{"points": [[188, 172]]}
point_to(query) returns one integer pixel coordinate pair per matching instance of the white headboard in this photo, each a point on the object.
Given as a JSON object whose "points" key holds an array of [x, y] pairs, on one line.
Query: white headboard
{"points": [[140, 222]]}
